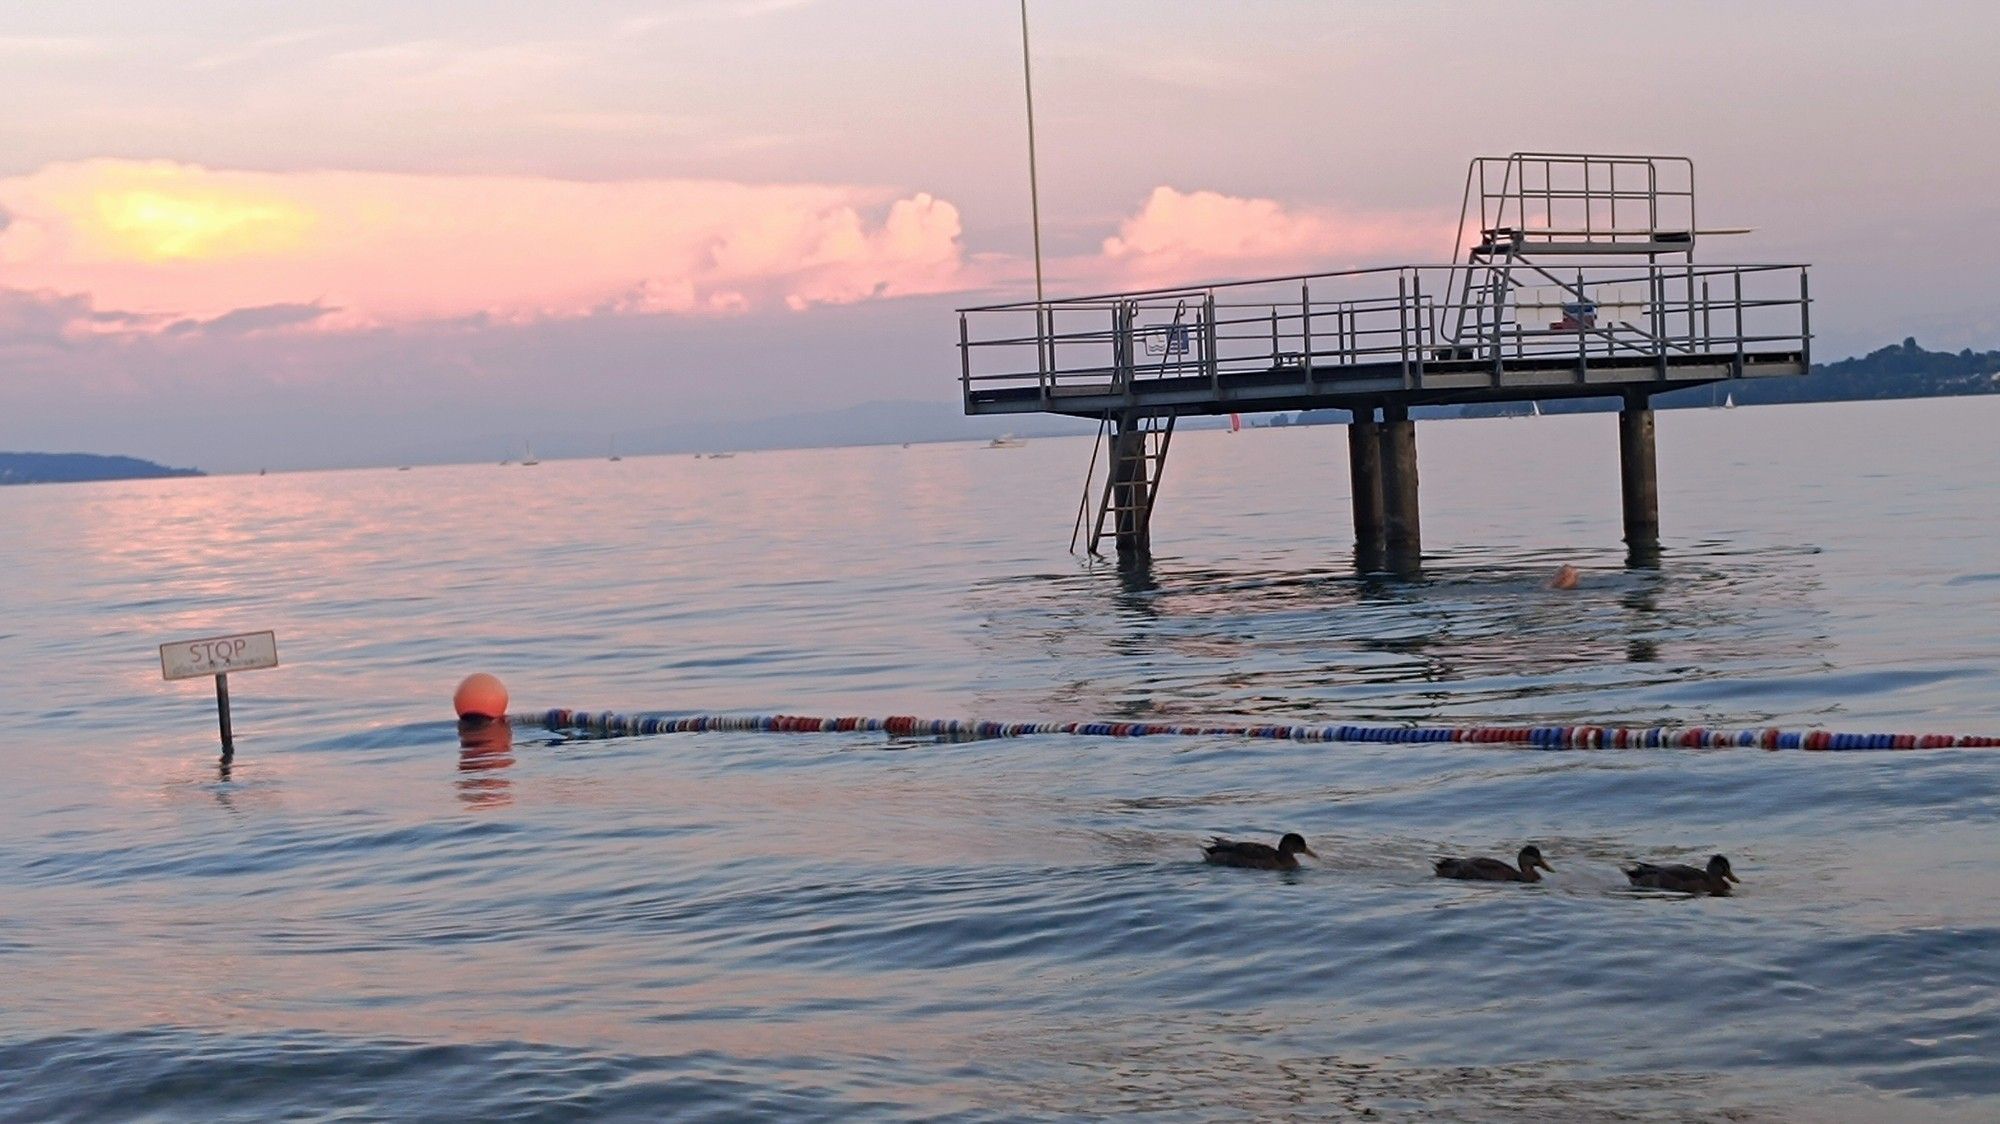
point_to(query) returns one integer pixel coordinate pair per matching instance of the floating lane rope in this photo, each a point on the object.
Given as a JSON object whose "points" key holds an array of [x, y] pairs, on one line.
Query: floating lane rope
{"points": [[1537, 737]]}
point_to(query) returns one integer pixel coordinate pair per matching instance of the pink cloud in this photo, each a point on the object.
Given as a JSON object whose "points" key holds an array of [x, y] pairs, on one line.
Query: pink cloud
{"points": [[180, 240], [1180, 237]]}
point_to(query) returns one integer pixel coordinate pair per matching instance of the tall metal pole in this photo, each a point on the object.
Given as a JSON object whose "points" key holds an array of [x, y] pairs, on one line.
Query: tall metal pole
{"points": [[1034, 188]]}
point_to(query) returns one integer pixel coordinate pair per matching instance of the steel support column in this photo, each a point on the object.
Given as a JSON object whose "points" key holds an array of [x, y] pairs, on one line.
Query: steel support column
{"points": [[1364, 470], [1402, 529], [1637, 472]]}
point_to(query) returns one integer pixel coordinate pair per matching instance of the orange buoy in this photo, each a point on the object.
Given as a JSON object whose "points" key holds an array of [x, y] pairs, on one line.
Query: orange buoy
{"points": [[480, 696], [1566, 577]]}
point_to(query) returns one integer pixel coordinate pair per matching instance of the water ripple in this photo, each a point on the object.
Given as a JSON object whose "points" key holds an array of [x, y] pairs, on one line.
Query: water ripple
{"points": [[367, 915]]}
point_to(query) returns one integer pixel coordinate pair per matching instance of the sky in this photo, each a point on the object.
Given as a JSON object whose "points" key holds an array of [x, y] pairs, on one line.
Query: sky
{"points": [[241, 234]]}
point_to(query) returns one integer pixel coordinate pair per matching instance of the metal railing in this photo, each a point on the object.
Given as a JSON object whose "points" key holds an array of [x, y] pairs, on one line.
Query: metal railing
{"points": [[1403, 321]]}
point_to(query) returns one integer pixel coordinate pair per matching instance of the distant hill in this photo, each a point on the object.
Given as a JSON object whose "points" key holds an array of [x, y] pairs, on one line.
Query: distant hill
{"points": [[71, 468], [1902, 370]]}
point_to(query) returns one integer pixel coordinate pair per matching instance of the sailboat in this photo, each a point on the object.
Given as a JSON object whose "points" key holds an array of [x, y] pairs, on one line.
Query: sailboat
{"points": [[529, 459], [612, 448], [1729, 401], [1236, 423], [1535, 406]]}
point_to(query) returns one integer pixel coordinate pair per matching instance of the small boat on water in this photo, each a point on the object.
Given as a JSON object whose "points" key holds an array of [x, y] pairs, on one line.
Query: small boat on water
{"points": [[1006, 441], [529, 458]]}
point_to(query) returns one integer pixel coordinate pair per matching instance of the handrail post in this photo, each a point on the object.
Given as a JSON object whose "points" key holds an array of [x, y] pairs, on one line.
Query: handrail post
{"points": [[1055, 371], [1654, 299], [1657, 282], [1688, 294], [1707, 323], [1417, 296], [1041, 350], [1500, 295], [1209, 343], [1118, 344], [1403, 323], [1805, 322], [964, 360], [1306, 330], [1582, 337], [1737, 273]]}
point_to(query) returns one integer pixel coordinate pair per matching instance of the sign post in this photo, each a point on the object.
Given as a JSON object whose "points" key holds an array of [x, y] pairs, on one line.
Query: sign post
{"points": [[218, 656], [222, 710]]}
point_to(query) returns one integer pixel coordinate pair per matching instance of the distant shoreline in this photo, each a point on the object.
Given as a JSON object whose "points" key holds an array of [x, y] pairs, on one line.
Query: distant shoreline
{"points": [[1903, 370], [81, 468]]}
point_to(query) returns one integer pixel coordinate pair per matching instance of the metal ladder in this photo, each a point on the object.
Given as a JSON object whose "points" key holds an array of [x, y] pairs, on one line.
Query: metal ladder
{"points": [[1132, 480], [1142, 465], [1484, 303]]}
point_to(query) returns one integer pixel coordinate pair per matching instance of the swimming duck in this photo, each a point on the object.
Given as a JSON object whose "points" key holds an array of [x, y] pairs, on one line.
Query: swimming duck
{"points": [[1493, 870], [1229, 852], [1686, 879]]}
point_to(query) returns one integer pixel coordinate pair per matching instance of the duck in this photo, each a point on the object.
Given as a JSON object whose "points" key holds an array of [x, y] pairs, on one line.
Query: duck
{"points": [[1259, 856], [1714, 880], [1494, 870]]}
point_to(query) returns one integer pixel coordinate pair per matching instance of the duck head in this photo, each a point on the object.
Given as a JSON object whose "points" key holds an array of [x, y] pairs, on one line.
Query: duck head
{"points": [[1719, 872], [1293, 843], [1531, 859]]}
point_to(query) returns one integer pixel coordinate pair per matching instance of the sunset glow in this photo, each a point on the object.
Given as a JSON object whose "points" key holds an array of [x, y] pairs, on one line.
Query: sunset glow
{"points": [[159, 226], [181, 240]]}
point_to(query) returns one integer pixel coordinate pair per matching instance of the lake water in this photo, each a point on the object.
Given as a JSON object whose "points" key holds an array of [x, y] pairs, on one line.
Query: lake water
{"points": [[366, 919]]}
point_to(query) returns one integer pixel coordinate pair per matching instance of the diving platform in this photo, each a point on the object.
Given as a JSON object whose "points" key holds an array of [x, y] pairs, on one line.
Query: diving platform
{"points": [[1576, 277]]}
